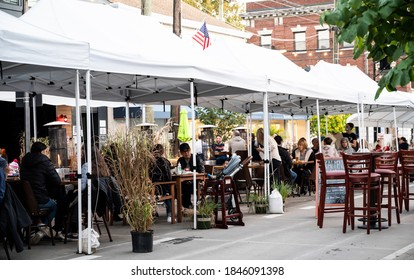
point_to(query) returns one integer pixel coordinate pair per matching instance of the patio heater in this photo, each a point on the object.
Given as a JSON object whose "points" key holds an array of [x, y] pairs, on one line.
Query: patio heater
{"points": [[58, 146]]}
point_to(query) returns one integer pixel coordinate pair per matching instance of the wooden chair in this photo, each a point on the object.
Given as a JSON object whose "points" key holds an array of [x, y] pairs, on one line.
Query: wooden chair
{"points": [[100, 193], [407, 171], [329, 179], [24, 192], [386, 166], [243, 179], [159, 195], [359, 178], [308, 180]]}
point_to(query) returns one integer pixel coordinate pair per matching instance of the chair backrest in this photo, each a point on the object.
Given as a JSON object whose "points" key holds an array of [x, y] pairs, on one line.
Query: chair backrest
{"points": [[24, 192], [358, 168], [321, 162], [406, 158], [242, 153], [387, 161]]}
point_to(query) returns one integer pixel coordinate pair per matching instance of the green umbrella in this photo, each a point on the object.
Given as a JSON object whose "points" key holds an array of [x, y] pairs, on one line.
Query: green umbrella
{"points": [[184, 134]]}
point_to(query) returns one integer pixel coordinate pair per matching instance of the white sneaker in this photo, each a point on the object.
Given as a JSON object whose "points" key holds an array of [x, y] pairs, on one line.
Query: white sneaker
{"points": [[37, 237], [169, 219]]}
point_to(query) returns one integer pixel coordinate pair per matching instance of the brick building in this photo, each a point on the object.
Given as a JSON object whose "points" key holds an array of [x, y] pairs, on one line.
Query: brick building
{"points": [[295, 29]]}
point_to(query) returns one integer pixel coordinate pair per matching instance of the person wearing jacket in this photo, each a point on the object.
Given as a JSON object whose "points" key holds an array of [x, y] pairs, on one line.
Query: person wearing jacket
{"points": [[39, 170], [236, 143], [186, 162]]}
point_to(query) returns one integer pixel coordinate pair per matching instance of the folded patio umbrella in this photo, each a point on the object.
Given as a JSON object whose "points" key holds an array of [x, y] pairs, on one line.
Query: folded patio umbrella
{"points": [[184, 134]]}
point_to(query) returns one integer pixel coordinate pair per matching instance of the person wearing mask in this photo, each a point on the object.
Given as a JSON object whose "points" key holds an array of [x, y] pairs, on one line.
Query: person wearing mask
{"points": [[286, 160], [187, 164], [39, 171], [275, 159], [236, 143], [352, 137]]}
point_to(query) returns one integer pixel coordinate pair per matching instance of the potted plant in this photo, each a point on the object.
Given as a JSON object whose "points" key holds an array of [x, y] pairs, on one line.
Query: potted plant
{"points": [[205, 212], [260, 203], [284, 189], [130, 155]]}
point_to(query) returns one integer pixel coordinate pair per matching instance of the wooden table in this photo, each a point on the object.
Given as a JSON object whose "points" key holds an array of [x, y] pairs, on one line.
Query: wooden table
{"points": [[178, 180], [302, 162]]}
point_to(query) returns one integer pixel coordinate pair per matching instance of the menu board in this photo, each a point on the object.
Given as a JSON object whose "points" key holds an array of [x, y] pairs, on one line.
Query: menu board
{"points": [[333, 195]]}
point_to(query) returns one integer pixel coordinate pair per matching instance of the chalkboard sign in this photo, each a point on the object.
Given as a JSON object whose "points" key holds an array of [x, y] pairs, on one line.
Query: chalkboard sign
{"points": [[333, 195]]}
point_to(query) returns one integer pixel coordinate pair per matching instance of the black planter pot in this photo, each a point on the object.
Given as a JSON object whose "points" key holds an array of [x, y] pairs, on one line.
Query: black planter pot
{"points": [[142, 241], [203, 222], [260, 208]]}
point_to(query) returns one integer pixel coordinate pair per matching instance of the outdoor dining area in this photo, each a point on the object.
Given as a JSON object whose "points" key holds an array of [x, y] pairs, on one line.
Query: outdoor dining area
{"points": [[227, 185]]}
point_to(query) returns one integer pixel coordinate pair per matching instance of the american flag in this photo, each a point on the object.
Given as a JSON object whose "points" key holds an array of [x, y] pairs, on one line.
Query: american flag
{"points": [[202, 37]]}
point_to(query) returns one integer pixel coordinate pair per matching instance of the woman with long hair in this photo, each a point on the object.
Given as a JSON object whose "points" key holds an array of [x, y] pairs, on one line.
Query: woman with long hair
{"points": [[274, 157]]}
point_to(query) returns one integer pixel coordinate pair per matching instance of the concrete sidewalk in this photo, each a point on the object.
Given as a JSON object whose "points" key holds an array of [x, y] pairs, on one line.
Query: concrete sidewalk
{"points": [[290, 236]]}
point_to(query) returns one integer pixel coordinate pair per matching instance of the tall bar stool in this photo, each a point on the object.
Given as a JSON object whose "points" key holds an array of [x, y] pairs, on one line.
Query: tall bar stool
{"points": [[386, 166], [329, 179], [407, 168], [359, 178]]}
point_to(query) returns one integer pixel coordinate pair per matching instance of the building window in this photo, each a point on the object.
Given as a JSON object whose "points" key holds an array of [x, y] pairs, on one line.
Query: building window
{"points": [[300, 41], [266, 41], [265, 38], [11, 2], [323, 39], [347, 45]]}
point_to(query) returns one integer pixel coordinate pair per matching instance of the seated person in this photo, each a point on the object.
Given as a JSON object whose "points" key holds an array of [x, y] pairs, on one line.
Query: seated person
{"points": [[315, 145], [286, 160], [305, 154], [161, 172], [186, 162], [218, 147], [345, 146], [39, 171], [328, 149], [403, 144], [255, 153], [4, 170]]}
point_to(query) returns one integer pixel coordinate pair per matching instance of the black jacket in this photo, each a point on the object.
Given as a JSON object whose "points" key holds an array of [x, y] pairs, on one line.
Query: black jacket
{"points": [[42, 175], [199, 164], [13, 218]]}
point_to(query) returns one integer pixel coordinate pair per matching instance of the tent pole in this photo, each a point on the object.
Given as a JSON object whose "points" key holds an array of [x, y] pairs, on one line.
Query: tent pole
{"points": [[26, 101], [266, 144], [34, 118], [194, 155], [89, 155], [79, 161], [127, 120], [363, 140], [396, 129], [319, 125]]}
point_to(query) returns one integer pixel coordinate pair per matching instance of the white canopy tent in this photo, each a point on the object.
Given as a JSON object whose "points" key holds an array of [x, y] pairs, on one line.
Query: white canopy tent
{"points": [[386, 119]]}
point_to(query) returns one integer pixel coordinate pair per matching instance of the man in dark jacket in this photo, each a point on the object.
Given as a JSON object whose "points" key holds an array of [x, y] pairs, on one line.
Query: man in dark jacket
{"points": [[286, 160], [186, 162], [43, 178]]}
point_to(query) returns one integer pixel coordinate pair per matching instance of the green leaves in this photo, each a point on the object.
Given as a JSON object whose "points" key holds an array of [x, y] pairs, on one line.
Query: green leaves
{"points": [[384, 29]]}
